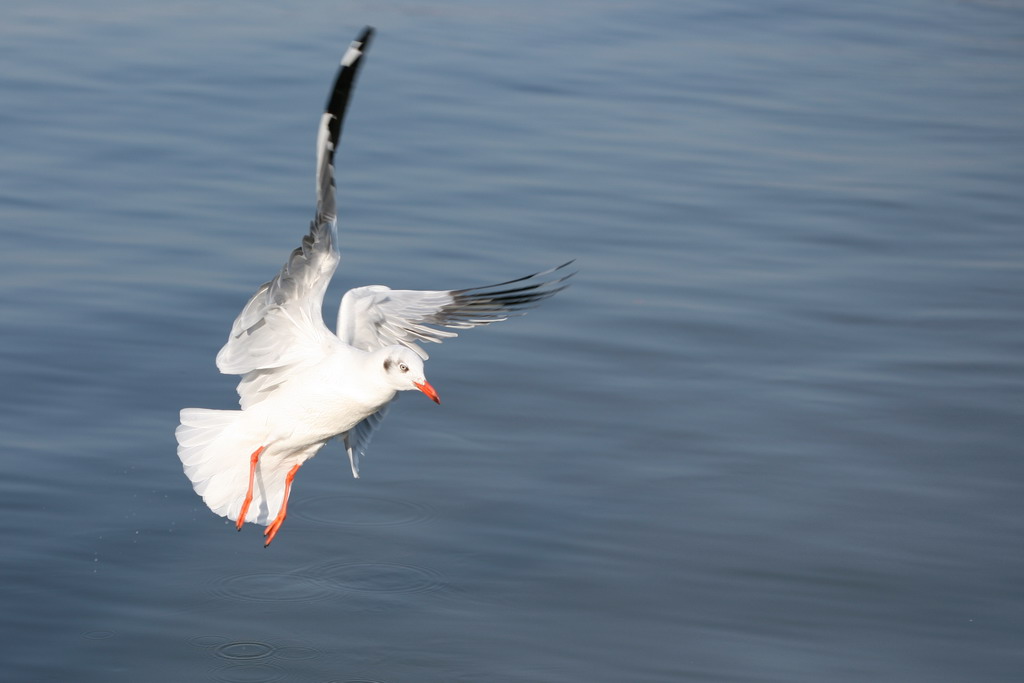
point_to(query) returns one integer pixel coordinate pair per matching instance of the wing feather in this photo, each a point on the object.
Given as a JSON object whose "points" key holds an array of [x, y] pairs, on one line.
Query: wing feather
{"points": [[376, 316], [358, 438], [282, 323]]}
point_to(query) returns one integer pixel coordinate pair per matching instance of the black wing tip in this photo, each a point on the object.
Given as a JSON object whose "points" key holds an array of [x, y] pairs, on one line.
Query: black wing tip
{"points": [[360, 45], [365, 36], [531, 276], [501, 300], [343, 82], [341, 91]]}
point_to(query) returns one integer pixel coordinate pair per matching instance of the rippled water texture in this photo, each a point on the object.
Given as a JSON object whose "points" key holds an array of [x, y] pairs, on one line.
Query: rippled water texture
{"points": [[771, 433]]}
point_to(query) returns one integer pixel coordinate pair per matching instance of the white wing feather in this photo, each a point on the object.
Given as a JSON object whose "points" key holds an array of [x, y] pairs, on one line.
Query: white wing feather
{"points": [[373, 317], [282, 324]]}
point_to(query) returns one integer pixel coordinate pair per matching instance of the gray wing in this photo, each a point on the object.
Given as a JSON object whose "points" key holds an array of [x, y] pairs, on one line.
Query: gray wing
{"points": [[376, 316], [282, 324], [358, 438]]}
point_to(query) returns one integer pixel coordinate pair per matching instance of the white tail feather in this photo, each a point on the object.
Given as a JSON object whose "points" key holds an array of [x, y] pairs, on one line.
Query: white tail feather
{"points": [[215, 451]]}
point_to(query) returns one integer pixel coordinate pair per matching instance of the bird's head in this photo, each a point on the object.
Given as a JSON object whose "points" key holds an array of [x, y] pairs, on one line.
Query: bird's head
{"points": [[403, 370]]}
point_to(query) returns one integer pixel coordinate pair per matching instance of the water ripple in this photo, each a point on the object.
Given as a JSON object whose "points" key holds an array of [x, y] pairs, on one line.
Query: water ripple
{"points": [[297, 652], [270, 587], [245, 650], [206, 641], [249, 673], [98, 635], [377, 577]]}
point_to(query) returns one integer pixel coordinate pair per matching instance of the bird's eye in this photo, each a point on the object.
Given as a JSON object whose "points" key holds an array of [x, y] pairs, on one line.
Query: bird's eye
{"points": [[403, 367]]}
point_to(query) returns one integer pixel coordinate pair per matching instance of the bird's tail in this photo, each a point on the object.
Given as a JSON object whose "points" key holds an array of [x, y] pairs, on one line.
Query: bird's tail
{"points": [[215, 452]]}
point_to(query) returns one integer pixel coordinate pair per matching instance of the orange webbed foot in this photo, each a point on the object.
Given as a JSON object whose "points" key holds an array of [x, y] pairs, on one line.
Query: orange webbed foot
{"points": [[275, 526], [253, 461]]}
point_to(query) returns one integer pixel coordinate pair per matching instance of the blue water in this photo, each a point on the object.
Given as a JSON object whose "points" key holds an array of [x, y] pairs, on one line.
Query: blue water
{"points": [[771, 433]]}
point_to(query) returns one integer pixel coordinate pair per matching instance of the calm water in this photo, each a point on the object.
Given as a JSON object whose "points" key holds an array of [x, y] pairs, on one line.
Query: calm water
{"points": [[772, 433]]}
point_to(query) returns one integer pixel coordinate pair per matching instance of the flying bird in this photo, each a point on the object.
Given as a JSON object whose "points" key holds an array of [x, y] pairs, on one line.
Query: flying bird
{"points": [[303, 385]]}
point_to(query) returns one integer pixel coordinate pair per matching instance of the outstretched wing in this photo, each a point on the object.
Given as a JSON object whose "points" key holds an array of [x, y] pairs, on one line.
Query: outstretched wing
{"points": [[376, 316], [282, 325]]}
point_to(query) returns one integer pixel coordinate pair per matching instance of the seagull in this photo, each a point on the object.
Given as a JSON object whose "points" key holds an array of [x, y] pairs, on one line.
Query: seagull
{"points": [[303, 385]]}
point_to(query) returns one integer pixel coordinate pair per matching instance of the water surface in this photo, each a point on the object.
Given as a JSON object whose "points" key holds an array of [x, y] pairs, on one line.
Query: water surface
{"points": [[772, 432]]}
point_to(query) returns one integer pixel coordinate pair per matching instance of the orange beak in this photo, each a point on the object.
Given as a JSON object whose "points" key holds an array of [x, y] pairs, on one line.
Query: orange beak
{"points": [[425, 387]]}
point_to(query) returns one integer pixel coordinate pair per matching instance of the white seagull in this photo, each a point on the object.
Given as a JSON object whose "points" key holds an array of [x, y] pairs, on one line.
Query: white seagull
{"points": [[303, 385]]}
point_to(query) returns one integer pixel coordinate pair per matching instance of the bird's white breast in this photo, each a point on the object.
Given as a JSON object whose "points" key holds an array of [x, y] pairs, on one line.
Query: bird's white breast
{"points": [[320, 402]]}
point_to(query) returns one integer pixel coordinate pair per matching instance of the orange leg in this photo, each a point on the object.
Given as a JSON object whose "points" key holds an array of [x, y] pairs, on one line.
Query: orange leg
{"points": [[253, 461], [276, 524]]}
